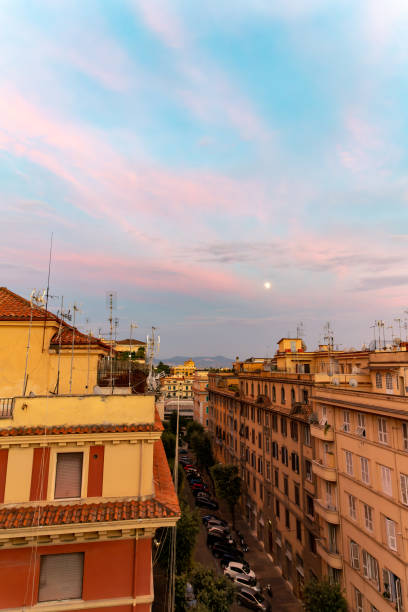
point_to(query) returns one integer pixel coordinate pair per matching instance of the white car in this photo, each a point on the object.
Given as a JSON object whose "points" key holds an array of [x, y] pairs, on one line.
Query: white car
{"points": [[234, 569], [219, 530], [245, 581]]}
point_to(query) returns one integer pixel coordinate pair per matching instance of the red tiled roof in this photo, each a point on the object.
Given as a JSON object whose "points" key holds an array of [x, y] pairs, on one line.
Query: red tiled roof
{"points": [[13, 307], [163, 505]]}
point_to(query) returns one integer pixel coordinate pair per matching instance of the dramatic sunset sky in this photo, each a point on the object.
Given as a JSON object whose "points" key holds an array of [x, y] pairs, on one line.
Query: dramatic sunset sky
{"points": [[184, 153]]}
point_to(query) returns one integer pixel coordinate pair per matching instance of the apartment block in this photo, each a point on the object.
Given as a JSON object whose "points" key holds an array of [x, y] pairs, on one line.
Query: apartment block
{"points": [[321, 438], [200, 397]]}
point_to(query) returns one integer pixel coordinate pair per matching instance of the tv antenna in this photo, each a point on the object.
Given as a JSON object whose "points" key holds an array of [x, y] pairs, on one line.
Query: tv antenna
{"points": [[111, 297], [63, 315], [75, 309], [152, 349], [37, 300], [299, 330], [132, 327]]}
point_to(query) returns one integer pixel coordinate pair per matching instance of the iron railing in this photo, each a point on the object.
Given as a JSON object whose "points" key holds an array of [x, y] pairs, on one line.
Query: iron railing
{"points": [[6, 407]]}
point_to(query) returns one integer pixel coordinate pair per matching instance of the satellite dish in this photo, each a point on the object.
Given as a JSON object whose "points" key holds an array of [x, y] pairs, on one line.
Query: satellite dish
{"points": [[353, 382]]}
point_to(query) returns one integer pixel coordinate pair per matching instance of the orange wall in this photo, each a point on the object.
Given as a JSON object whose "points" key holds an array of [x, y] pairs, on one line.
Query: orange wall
{"points": [[108, 571]]}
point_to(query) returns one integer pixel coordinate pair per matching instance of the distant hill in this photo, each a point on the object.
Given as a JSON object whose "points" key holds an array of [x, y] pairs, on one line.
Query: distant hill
{"points": [[203, 363]]}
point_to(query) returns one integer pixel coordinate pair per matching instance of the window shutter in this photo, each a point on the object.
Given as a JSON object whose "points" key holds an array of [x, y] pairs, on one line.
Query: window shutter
{"points": [[355, 560], [365, 564], [68, 477], [61, 577], [404, 489], [391, 535]]}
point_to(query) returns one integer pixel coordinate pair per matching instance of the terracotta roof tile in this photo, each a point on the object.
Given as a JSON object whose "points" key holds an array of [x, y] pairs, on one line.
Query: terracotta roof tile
{"points": [[80, 429]]}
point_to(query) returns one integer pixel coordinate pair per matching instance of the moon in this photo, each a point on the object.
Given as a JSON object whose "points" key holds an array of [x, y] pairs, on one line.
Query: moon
{"points": [[267, 285]]}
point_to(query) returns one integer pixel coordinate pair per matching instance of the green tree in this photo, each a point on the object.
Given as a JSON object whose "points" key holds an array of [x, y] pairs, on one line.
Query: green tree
{"points": [[214, 593], [192, 428], [163, 367], [323, 596], [201, 445], [169, 443], [228, 485], [173, 422], [180, 595], [187, 530]]}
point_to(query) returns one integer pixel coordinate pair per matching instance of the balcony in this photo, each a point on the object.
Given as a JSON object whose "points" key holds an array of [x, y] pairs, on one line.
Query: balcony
{"points": [[323, 432], [327, 511], [326, 470], [333, 559]]}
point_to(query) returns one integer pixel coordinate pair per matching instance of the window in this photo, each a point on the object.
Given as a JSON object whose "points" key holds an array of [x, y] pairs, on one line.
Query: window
{"points": [[352, 507], [305, 396], [268, 470], [365, 474], [287, 518], [368, 517], [286, 486], [358, 598], [297, 494], [295, 462], [294, 431], [275, 450], [68, 476], [292, 396], [392, 586], [388, 381], [267, 445], [349, 463], [259, 440], [253, 436], [391, 534], [382, 431], [284, 456], [361, 425], [275, 422], [404, 489], [378, 380], [346, 420], [370, 569], [405, 436], [276, 473], [386, 480], [298, 530], [309, 505], [260, 465], [61, 576], [354, 555], [277, 508], [284, 427], [306, 435], [308, 470], [282, 395], [312, 543], [273, 394]]}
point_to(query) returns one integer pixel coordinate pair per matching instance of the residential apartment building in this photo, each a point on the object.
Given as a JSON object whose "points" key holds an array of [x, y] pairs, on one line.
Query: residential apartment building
{"points": [[322, 441], [187, 369], [177, 386], [200, 397], [84, 484]]}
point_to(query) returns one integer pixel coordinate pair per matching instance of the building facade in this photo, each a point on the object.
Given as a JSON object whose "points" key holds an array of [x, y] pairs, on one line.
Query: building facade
{"points": [[186, 369], [200, 397], [177, 386], [84, 484], [321, 438]]}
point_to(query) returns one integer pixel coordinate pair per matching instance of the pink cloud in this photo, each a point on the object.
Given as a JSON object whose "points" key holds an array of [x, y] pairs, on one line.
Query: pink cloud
{"points": [[162, 21]]}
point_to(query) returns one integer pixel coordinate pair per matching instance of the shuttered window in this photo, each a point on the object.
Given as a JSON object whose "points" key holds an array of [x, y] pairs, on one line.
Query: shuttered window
{"points": [[404, 488], [68, 477], [391, 534], [61, 577]]}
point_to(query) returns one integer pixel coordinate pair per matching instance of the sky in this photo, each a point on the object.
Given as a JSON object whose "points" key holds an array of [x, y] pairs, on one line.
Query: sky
{"points": [[184, 153]]}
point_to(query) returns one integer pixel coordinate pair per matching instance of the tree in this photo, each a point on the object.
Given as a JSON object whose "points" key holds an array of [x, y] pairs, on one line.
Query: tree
{"points": [[201, 445], [163, 367], [215, 593], [187, 530], [228, 485], [323, 595], [169, 443], [192, 428], [173, 422]]}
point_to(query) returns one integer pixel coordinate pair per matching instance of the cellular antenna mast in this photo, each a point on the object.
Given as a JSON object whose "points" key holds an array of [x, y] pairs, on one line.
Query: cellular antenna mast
{"points": [[111, 304], [152, 347]]}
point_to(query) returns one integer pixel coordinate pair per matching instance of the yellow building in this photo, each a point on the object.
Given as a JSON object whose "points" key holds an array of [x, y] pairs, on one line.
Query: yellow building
{"points": [[136, 348], [187, 369], [84, 484], [200, 397], [59, 358], [321, 438], [177, 386]]}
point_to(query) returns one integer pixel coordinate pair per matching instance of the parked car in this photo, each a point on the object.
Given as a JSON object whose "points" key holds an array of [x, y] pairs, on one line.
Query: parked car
{"points": [[252, 600], [215, 523], [246, 581], [220, 539], [239, 569], [212, 517], [207, 503], [197, 484], [220, 530], [183, 451], [232, 557], [201, 494], [220, 549]]}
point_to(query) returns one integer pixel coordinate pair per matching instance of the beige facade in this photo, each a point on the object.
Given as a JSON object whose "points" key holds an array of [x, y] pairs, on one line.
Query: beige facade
{"points": [[322, 441], [177, 386], [200, 397], [186, 369]]}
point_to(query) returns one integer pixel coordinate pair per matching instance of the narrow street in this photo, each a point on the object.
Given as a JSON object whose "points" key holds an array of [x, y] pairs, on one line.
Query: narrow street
{"points": [[283, 599]]}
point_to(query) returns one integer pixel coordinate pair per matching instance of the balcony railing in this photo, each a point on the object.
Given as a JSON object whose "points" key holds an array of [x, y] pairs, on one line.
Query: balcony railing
{"points": [[6, 407], [327, 511], [325, 470]]}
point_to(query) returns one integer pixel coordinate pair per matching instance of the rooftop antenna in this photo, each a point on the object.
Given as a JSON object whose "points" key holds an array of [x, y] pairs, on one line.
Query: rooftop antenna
{"points": [[75, 309], [299, 330], [152, 347], [111, 304], [36, 301], [132, 327], [329, 340], [63, 315], [89, 352], [47, 292], [381, 325], [116, 325]]}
